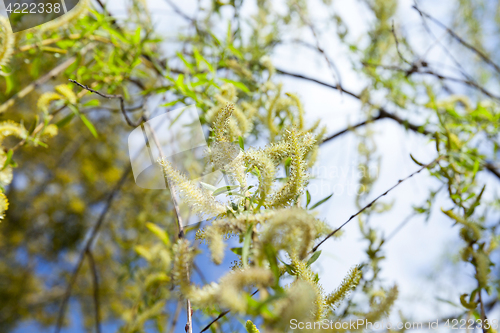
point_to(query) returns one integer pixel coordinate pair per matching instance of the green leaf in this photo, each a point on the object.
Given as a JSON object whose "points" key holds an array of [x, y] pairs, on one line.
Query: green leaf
{"points": [[321, 201], [414, 160], [241, 142], [313, 258], [465, 304], [137, 35], [143, 252], [8, 160], [271, 257], [89, 125], [237, 84], [159, 232], [308, 196], [289, 269], [237, 250], [9, 83], [92, 103], [199, 59], [166, 105], [246, 245], [235, 51], [66, 120], [184, 60], [115, 33], [224, 189]]}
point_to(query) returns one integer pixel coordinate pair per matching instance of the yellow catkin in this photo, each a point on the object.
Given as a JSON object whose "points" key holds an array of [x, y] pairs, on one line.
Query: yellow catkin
{"points": [[299, 305], [11, 128], [229, 292], [292, 230], [183, 258], [258, 159], [214, 234], [346, 287], [4, 205], [220, 125], [6, 42], [199, 200], [74, 14], [300, 108], [271, 113], [45, 100], [50, 131], [67, 92], [251, 328], [296, 181], [384, 307], [305, 273]]}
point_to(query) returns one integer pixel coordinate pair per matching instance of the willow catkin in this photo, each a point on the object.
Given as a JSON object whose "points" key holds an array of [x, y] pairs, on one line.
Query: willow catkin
{"points": [[198, 199], [6, 42], [346, 287], [74, 14]]}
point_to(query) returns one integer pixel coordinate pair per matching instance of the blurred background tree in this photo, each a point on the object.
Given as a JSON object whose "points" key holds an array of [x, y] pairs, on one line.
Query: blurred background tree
{"points": [[83, 247]]}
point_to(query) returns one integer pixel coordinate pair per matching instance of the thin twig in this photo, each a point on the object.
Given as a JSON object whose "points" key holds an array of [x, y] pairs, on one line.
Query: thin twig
{"points": [[481, 306], [222, 314], [397, 46], [459, 39], [180, 225], [176, 317], [118, 96], [95, 282], [88, 245], [331, 65], [375, 200], [416, 70]]}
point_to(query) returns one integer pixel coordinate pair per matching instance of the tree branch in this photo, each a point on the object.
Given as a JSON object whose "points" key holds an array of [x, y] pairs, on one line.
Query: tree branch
{"points": [[222, 314], [383, 114], [459, 39], [88, 245], [95, 282], [118, 96], [375, 200]]}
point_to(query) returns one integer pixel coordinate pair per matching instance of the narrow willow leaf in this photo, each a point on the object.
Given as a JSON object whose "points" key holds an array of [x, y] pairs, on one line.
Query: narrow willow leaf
{"points": [[321, 201], [159, 232], [271, 258], [66, 120], [414, 160], [92, 102], [89, 125], [224, 189], [8, 160], [237, 84], [241, 142], [237, 250], [313, 258]]}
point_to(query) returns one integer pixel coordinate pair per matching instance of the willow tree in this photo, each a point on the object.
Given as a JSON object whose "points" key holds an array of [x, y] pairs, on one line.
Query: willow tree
{"points": [[76, 230]]}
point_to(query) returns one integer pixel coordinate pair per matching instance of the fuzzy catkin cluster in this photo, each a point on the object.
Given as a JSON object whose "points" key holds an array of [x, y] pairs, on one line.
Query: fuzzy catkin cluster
{"points": [[229, 292], [6, 42], [266, 216], [348, 284], [199, 199], [74, 14]]}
